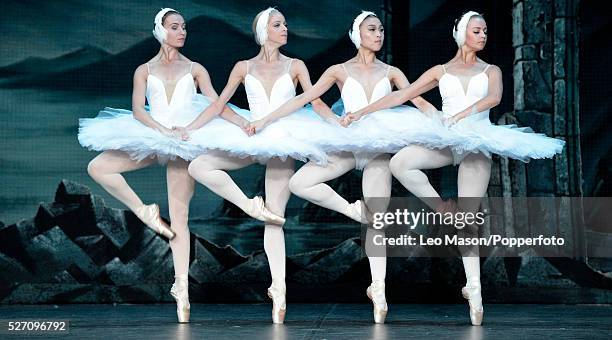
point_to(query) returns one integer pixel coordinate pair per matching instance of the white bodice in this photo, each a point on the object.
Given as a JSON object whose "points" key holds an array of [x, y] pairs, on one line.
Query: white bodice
{"points": [[455, 99], [260, 104], [354, 96], [169, 112]]}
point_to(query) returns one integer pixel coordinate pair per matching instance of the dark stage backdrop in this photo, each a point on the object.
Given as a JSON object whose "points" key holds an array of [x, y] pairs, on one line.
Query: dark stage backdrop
{"points": [[70, 62], [62, 62]]}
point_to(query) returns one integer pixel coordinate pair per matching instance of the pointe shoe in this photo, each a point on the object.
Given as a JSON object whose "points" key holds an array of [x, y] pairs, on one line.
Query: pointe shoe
{"points": [[259, 211], [149, 214], [279, 304], [376, 293], [355, 212], [180, 292], [476, 312]]}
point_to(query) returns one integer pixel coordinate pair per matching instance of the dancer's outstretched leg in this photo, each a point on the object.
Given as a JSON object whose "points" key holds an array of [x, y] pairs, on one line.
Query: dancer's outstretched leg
{"points": [[180, 191], [309, 184], [376, 186], [209, 169], [106, 170], [278, 174]]}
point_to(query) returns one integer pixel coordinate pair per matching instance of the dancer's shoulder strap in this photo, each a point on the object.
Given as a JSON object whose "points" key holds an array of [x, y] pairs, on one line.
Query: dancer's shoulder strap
{"points": [[289, 64], [344, 68]]}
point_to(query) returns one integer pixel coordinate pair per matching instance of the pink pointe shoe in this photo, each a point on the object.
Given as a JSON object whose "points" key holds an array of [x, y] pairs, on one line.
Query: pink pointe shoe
{"points": [[149, 215], [376, 293], [476, 312], [259, 211], [356, 212], [180, 293], [279, 303]]}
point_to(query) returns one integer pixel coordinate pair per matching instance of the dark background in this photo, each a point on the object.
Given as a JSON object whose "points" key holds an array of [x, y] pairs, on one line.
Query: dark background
{"points": [[64, 61], [70, 61]]}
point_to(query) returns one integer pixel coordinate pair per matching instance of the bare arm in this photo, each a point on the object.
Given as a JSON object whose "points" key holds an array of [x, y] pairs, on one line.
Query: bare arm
{"points": [[398, 78], [318, 105], [426, 82], [218, 106], [138, 101], [494, 95]]}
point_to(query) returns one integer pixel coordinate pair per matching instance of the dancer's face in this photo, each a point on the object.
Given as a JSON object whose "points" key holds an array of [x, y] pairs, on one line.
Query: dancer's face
{"points": [[277, 28], [372, 33], [476, 34], [177, 32]]}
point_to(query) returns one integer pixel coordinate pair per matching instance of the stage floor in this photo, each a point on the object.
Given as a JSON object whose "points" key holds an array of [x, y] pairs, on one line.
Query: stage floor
{"points": [[315, 321]]}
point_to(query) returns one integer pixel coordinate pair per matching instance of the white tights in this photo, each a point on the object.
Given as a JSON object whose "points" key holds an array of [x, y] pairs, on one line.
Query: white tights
{"points": [[472, 181], [309, 184], [210, 170], [106, 170]]}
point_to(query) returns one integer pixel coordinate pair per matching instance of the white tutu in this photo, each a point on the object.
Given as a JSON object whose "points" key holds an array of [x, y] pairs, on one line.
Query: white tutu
{"points": [[291, 136], [475, 133], [117, 129], [388, 131]]}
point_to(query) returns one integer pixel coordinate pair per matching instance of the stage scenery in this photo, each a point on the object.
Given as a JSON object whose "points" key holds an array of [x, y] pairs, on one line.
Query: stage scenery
{"points": [[71, 251]]}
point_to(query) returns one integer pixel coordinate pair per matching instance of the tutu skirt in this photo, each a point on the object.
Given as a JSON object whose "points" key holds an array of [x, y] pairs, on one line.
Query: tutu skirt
{"points": [[291, 136], [388, 131], [476, 133], [117, 129]]}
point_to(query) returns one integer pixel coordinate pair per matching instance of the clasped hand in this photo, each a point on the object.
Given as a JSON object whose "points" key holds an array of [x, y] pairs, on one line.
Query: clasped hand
{"points": [[179, 132], [445, 119], [349, 118], [255, 126]]}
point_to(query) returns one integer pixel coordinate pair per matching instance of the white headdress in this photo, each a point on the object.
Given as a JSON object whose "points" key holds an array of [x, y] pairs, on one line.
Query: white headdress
{"points": [[354, 32], [160, 32], [261, 28], [460, 29]]}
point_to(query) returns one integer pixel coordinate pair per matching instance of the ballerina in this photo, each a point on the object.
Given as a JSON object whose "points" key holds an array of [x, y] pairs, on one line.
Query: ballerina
{"points": [[269, 80], [361, 80], [137, 139], [469, 87]]}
